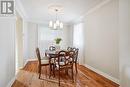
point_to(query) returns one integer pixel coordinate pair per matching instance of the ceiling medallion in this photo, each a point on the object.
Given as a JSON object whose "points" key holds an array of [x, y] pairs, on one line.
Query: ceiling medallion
{"points": [[52, 9]]}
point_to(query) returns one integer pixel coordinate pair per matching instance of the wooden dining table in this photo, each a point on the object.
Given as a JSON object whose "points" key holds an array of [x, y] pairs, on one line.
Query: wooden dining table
{"points": [[53, 53]]}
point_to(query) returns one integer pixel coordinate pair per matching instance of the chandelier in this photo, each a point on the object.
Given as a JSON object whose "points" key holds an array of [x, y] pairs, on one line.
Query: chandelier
{"points": [[57, 24]]}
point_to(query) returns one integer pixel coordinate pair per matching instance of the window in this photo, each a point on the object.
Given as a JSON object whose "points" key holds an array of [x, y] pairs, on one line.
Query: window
{"points": [[78, 40]]}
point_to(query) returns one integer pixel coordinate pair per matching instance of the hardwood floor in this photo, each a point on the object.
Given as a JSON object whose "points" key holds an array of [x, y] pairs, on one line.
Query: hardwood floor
{"points": [[28, 77]]}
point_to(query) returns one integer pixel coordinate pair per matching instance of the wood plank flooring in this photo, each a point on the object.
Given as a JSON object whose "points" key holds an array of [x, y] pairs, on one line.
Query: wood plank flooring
{"points": [[28, 77]]}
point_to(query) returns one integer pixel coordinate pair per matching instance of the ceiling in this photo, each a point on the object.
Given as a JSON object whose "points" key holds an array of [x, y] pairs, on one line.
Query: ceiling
{"points": [[37, 10]]}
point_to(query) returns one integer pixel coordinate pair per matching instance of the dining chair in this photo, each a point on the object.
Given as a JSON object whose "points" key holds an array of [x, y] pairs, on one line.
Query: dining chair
{"points": [[64, 61], [41, 62], [69, 48], [52, 48], [76, 50]]}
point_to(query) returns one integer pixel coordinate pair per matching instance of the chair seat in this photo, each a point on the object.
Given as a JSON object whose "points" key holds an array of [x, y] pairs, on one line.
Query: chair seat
{"points": [[60, 63], [45, 58], [45, 61], [62, 66]]}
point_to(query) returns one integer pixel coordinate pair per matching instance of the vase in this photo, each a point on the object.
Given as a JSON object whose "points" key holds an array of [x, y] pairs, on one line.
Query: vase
{"points": [[57, 46]]}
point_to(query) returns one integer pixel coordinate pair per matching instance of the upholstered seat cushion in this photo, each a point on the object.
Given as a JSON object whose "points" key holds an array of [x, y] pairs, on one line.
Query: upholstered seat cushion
{"points": [[45, 60], [61, 63]]}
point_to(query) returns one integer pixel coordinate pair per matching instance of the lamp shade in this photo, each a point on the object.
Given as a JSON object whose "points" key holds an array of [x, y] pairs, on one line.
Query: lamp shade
{"points": [[50, 24], [57, 22], [61, 25], [55, 26]]}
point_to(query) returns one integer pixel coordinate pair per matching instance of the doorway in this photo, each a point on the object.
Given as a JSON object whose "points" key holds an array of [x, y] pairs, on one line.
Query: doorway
{"points": [[19, 43]]}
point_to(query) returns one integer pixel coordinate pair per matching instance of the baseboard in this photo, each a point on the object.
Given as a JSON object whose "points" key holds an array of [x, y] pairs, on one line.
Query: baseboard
{"points": [[26, 61], [34, 59], [11, 82], [29, 60], [102, 73]]}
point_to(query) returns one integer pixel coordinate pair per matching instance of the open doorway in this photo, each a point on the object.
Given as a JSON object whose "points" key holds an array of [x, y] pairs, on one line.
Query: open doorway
{"points": [[19, 43]]}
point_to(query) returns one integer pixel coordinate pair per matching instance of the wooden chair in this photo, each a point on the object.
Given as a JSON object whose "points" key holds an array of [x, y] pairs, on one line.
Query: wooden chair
{"points": [[76, 50], [52, 48], [41, 62], [64, 61], [69, 49]]}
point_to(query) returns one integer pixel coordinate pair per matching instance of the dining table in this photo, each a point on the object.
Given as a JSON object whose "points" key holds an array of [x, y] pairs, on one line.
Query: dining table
{"points": [[53, 53]]}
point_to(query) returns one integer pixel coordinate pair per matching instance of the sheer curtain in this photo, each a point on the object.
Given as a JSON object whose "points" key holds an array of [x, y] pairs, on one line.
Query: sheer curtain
{"points": [[78, 41]]}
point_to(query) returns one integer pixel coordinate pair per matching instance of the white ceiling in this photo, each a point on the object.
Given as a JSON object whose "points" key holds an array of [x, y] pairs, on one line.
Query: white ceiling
{"points": [[37, 10]]}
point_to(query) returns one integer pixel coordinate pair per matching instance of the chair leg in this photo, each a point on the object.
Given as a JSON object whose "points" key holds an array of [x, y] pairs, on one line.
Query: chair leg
{"points": [[76, 67], [59, 77], [72, 74], [46, 71], [54, 70], [50, 70], [39, 71], [66, 71]]}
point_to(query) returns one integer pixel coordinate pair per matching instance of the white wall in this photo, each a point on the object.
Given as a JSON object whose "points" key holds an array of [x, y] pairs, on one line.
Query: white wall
{"points": [[19, 43], [7, 53], [124, 42], [70, 35], [25, 41], [32, 39], [101, 35]]}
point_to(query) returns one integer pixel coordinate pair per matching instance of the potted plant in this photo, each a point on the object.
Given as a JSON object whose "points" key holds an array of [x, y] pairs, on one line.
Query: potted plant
{"points": [[57, 41]]}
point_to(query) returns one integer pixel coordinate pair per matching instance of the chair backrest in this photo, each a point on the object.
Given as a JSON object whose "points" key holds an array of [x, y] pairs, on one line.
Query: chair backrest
{"points": [[38, 55], [52, 48], [66, 57], [76, 50], [69, 49]]}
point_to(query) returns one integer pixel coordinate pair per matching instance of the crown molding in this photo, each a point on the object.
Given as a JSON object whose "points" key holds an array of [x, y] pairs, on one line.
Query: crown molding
{"points": [[20, 9], [37, 21], [42, 22], [80, 19], [9, 18]]}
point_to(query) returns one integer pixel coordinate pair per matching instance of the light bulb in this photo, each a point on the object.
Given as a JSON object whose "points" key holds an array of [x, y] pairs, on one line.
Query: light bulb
{"points": [[57, 22], [50, 24], [55, 26], [61, 25]]}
